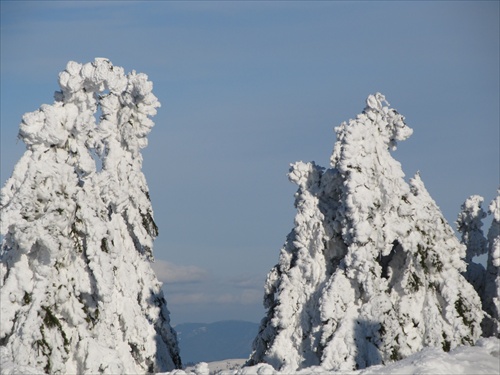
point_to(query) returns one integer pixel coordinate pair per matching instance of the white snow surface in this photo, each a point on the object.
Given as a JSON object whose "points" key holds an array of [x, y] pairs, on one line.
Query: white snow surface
{"points": [[483, 358]]}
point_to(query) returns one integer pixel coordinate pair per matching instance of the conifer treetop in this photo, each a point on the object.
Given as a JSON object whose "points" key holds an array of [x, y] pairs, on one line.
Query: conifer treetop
{"points": [[469, 223], [85, 88]]}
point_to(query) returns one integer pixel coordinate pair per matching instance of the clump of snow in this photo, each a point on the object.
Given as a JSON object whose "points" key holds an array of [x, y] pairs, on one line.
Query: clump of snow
{"points": [[371, 272], [215, 367], [78, 294]]}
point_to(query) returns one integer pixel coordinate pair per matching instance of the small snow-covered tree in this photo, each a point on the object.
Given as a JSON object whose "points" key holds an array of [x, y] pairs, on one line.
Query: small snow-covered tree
{"points": [[371, 272], [491, 294], [469, 223], [78, 294]]}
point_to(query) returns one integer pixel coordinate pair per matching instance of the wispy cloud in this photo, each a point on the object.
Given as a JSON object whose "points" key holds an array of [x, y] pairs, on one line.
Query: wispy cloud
{"points": [[245, 297], [188, 298], [171, 273], [249, 282], [212, 291]]}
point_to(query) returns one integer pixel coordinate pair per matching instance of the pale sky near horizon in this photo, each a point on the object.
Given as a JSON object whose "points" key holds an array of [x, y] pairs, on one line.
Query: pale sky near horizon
{"points": [[249, 87]]}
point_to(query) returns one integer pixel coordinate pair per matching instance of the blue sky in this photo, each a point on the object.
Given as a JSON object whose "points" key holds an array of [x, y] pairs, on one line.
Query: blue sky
{"points": [[248, 88]]}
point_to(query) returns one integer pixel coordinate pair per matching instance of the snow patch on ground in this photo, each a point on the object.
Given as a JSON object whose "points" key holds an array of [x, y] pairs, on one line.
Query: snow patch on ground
{"points": [[483, 358], [217, 366]]}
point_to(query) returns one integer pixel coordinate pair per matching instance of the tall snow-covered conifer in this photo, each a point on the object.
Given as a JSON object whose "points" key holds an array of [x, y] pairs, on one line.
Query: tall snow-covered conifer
{"points": [[371, 273], [78, 294]]}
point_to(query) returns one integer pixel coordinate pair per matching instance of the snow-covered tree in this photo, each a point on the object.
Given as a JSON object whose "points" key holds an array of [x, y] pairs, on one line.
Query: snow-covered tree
{"points": [[491, 294], [371, 273], [469, 223], [78, 294]]}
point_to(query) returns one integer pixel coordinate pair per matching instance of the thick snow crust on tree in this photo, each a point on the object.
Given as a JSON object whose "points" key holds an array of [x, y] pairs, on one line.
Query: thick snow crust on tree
{"points": [[78, 294], [371, 272], [491, 294], [485, 281]]}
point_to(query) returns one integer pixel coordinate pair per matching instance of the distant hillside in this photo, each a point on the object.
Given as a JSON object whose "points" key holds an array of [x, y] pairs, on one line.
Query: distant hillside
{"points": [[201, 342]]}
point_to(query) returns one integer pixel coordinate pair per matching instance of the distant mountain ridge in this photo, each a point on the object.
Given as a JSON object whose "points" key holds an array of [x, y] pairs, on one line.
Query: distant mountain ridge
{"points": [[208, 342]]}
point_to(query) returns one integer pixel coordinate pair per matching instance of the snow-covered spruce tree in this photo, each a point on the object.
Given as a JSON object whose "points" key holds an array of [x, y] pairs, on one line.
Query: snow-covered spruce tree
{"points": [[371, 273], [469, 223], [78, 294], [491, 294]]}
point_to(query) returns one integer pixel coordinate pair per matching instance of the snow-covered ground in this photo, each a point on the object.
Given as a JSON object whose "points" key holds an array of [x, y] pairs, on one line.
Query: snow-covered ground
{"points": [[483, 358], [215, 367]]}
